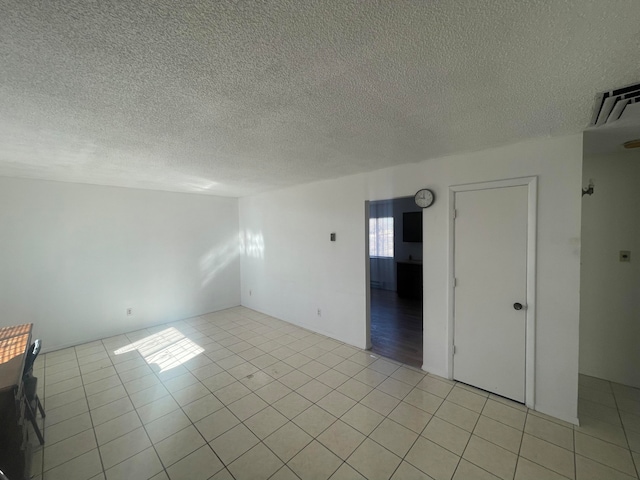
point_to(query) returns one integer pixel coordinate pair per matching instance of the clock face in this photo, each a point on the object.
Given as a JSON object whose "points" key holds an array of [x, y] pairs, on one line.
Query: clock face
{"points": [[424, 198]]}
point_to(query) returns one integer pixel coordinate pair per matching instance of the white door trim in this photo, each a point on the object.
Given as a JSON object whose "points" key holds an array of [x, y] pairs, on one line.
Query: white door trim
{"points": [[367, 278], [532, 184]]}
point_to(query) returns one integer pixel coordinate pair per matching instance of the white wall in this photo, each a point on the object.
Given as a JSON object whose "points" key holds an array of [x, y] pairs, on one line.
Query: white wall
{"points": [[610, 290], [74, 257], [291, 267]]}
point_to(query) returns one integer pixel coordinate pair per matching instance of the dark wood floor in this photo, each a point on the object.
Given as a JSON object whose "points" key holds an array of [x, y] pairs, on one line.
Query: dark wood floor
{"points": [[396, 327]]}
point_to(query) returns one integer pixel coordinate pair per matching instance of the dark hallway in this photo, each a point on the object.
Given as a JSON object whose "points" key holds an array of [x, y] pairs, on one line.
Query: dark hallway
{"points": [[396, 327]]}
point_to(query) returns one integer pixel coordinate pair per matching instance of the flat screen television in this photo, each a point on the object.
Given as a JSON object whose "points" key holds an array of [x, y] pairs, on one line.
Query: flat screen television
{"points": [[412, 227]]}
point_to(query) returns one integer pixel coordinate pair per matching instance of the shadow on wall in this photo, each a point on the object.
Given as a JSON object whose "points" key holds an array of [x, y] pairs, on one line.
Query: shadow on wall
{"points": [[167, 349]]}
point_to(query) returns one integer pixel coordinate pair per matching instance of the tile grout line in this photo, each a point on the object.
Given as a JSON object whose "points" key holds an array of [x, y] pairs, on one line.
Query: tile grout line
{"points": [[313, 403], [524, 429], [606, 441], [261, 441], [470, 436], [191, 421], [164, 469], [312, 378], [248, 339], [368, 437], [224, 406], [92, 421], [575, 455], [93, 427], [78, 433], [624, 429]]}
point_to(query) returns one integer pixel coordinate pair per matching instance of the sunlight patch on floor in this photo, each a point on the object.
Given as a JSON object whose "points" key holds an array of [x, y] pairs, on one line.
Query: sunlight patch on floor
{"points": [[167, 349]]}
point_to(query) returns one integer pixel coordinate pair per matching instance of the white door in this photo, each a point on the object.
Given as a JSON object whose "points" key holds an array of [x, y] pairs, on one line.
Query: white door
{"points": [[490, 265]]}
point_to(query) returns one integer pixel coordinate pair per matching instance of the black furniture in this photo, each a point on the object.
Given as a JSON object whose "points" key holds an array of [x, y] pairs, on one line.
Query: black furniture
{"points": [[409, 279], [15, 449], [31, 388]]}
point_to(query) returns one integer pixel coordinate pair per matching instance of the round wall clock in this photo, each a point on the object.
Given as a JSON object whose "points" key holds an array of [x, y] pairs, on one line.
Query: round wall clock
{"points": [[424, 198]]}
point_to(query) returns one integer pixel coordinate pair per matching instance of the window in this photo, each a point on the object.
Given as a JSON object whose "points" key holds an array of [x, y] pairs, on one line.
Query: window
{"points": [[381, 237]]}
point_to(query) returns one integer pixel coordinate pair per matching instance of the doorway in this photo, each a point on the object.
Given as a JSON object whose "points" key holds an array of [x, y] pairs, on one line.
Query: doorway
{"points": [[394, 232], [492, 289], [610, 271]]}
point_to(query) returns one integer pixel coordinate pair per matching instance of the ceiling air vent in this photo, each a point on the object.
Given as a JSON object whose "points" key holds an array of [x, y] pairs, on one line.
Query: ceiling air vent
{"points": [[611, 105]]}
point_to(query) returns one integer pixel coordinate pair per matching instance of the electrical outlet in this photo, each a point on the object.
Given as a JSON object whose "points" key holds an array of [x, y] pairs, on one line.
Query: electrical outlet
{"points": [[319, 312], [129, 311]]}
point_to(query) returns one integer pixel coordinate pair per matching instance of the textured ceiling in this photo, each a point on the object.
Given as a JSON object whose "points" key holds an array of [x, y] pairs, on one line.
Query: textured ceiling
{"points": [[234, 97]]}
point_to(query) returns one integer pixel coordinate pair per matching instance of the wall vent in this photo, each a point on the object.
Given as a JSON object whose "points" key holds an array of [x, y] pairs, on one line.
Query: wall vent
{"points": [[611, 105]]}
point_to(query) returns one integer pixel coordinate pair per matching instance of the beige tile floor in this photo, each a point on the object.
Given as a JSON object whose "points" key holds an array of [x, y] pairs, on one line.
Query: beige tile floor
{"points": [[238, 394]]}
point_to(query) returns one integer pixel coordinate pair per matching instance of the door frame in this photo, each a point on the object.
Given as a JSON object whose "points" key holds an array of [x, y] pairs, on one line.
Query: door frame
{"points": [[367, 278], [530, 325]]}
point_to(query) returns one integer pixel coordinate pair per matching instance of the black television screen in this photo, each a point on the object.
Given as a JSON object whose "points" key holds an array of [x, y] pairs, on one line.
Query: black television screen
{"points": [[412, 227]]}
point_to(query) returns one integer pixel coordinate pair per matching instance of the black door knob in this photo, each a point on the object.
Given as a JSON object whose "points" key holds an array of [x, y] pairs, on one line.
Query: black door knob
{"points": [[517, 306]]}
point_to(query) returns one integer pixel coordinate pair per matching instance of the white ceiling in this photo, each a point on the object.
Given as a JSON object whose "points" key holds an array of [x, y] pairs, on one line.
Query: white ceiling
{"points": [[234, 97]]}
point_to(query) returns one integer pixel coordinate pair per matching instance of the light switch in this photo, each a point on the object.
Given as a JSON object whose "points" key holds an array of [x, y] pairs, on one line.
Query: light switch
{"points": [[625, 256], [333, 237]]}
